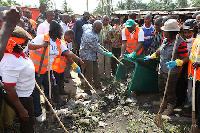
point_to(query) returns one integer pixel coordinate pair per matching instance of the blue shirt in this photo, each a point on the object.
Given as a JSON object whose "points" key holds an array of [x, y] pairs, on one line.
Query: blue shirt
{"points": [[89, 44], [148, 36], [78, 30]]}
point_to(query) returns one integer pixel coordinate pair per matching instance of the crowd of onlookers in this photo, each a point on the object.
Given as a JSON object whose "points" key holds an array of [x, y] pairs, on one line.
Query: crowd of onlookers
{"points": [[92, 41]]}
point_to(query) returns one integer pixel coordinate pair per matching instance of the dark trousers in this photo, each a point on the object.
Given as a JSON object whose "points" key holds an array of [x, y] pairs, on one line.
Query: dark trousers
{"points": [[197, 102], [116, 52], [27, 102], [92, 72], [171, 90], [42, 80], [181, 86], [58, 77]]}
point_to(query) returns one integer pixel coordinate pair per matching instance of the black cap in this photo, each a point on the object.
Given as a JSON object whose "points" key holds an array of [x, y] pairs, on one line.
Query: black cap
{"points": [[189, 24]]}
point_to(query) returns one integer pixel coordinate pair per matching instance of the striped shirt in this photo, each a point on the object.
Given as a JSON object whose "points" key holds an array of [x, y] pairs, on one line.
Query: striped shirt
{"points": [[107, 32]]}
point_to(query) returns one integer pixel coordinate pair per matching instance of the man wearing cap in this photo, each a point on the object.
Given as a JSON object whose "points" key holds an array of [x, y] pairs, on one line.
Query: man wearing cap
{"points": [[132, 38], [184, 83], [171, 29]]}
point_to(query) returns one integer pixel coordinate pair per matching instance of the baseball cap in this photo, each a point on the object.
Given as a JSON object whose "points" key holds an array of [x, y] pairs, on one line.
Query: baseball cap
{"points": [[130, 23], [189, 24]]}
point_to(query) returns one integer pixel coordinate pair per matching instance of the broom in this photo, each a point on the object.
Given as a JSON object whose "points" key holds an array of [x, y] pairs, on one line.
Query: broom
{"points": [[158, 118], [194, 127]]}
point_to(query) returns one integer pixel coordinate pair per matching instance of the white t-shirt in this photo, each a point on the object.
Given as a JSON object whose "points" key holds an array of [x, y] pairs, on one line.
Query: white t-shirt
{"points": [[64, 27], [140, 35], [43, 28], [54, 52], [19, 71]]}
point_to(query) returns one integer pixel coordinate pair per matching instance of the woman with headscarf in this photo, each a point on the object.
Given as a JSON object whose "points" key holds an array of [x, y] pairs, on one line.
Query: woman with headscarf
{"points": [[18, 77]]}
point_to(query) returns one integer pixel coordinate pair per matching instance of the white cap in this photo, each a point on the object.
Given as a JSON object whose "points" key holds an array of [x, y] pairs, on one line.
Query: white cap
{"points": [[171, 25]]}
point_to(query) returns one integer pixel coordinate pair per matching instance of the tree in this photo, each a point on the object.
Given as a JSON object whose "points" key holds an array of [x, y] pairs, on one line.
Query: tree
{"points": [[64, 5], [182, 3], [9, 2], [47, 3], [195, 2]]}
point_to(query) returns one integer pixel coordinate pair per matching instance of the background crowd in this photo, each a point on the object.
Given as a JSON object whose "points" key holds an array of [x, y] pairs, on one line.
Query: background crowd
{"points": [[85, 40]]}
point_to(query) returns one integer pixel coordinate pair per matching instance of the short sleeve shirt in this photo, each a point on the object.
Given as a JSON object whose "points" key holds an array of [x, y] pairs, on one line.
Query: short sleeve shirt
{"points": [[140, 35], [54, 52]]}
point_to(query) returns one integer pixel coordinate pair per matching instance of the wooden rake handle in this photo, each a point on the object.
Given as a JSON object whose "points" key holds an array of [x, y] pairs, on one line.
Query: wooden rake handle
{"points": [[166, 86], [87, 82], [51, 108], [112, 55]]}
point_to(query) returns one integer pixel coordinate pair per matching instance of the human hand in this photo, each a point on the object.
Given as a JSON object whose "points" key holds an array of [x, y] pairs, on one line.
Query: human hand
{"points": [[23, 114], [11, 16], [171, 64], [46, 43], [82, 64], [147, 57], [131, 55], [109, 54], [196, 65]]}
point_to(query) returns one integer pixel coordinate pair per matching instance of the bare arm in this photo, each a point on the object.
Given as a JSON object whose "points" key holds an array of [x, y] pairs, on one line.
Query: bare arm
{"points": [[33, 46], [10, 20], [123, 48], [158, 52], [71, 55], [185, 59], [140, 45], [14, 99]]}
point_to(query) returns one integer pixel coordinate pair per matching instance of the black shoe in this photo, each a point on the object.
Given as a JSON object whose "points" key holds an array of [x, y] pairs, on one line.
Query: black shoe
{"points": [[66, 81]]}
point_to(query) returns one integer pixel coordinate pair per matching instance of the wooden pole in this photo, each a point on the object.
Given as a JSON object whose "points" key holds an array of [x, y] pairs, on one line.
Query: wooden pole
{"points": [[51, 108], [112, 56]]}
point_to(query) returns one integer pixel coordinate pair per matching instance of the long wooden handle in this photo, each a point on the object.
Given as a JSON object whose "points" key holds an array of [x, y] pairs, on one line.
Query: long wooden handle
{"points": [[87, 82], [51, 108], [166, 86], [112, 55], [193, 88], [49, 77]]}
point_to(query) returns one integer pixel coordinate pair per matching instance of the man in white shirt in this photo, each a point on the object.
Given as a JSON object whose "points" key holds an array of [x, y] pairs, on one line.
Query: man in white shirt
{"points": [[64, 22], [132, 38], [43, 28]]}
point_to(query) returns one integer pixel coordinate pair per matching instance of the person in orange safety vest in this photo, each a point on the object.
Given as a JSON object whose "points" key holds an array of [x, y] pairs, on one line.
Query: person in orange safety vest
{"points": [[132, 38], [60, 63], [57, 48]]}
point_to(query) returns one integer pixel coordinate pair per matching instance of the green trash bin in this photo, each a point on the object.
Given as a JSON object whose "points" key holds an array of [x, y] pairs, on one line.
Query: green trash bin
{"points": [[145, 76]]}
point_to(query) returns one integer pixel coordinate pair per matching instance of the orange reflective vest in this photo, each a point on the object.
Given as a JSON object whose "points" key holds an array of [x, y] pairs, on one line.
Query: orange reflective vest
{"points": [[192, 59], [59, 63], [132, 43], [36, 55]]}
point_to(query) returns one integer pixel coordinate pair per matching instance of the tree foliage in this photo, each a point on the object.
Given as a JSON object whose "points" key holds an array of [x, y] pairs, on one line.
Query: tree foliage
{"points": [[47, 3], [9, 2]]}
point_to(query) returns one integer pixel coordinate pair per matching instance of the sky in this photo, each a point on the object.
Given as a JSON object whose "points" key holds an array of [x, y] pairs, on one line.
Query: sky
{"points": [[78, 6]]}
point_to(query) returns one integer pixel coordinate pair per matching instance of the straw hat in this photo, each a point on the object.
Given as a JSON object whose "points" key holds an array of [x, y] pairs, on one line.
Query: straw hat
{"points": [[171, 25]]}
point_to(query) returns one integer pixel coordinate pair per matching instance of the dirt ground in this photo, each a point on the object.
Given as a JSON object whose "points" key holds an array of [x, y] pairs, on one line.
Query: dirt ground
{"points": [[120, 118]]}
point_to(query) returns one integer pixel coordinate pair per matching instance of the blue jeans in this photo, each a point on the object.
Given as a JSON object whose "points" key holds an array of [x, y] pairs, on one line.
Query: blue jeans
{"points": [[42, 80]]}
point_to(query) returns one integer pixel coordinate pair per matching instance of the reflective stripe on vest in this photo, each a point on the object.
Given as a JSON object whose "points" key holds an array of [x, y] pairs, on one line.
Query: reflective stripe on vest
{"points": [[132, 43], [192, 59], [36, 56], [59, 63]]}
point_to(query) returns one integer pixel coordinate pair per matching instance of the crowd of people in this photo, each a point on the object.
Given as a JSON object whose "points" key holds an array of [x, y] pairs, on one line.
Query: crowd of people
{"points": [[28, 49]]}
